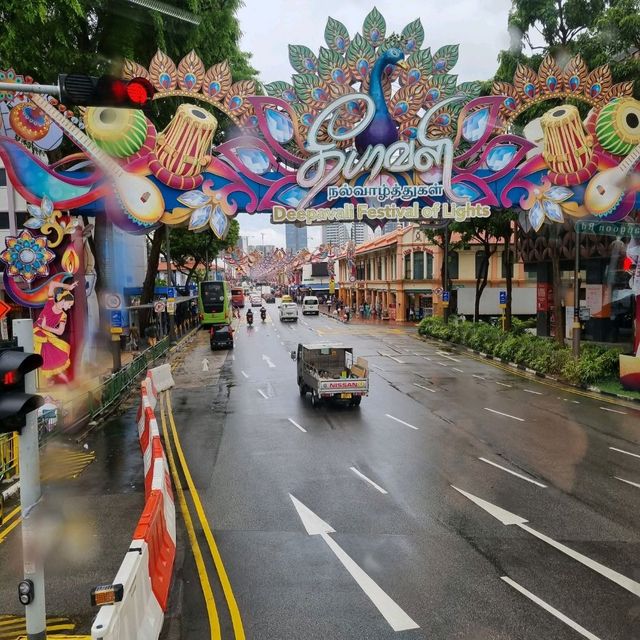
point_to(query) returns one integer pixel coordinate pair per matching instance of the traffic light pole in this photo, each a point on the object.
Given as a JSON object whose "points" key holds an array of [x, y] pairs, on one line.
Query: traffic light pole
{"points": [[30, 496]]}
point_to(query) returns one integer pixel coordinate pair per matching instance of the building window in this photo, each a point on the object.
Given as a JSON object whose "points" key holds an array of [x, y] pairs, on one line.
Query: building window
{"points": [[3, 178], [379, 269], [453, 265], [506, 268], [407, 267], [418, 265], [429, 273], [531, 270], [482, 264]]}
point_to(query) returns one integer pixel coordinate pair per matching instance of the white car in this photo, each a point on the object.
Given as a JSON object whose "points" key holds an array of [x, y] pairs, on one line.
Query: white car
{"points": [[256, 300], [310, 305], [289, 312]]}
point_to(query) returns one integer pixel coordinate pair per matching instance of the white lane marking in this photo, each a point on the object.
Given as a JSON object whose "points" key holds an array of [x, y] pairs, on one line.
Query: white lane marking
{"points": [[427, 358], [263, 394], [295, 424], [244, 374], [633, 484], [375, 366], [281, 342], [456, 369], [475, 375], [267, 359], [421, 386], [635, 455], [444, 364], [233, 357], [547, 607], [508, 518], [388, 355], [506, 415], [513, 473], [503, 384], [401, 421], [624, 413], [392, 613], [535, 393], [371, 482], [444, 354]]}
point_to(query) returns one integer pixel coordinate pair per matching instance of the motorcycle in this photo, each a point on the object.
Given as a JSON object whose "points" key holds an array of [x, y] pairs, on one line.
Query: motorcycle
{"points": [[263, 314], [249, 319]]}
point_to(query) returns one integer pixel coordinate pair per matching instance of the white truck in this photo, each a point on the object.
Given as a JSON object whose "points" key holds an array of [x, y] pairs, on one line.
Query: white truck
{"points": [[328, 372]]}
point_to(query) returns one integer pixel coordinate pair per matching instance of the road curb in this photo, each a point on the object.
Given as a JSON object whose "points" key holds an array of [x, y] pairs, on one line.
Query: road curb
{"points": [[533, 372]]}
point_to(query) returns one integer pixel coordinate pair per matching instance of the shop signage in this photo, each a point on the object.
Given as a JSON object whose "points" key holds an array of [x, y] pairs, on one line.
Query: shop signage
{"points": [[621, 229]]}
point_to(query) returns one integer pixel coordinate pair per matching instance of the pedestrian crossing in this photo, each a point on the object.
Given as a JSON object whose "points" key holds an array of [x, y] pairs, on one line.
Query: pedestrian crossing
{"points": [[15, 628]]}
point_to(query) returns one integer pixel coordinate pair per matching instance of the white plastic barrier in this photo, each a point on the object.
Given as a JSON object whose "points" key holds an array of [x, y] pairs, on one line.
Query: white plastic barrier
{"points": [[162, 378], [138, 616]]}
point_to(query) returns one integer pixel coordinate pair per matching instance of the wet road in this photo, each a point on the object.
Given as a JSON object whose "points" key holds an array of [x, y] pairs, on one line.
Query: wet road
{"points": [[93, 498], [541, 539]]}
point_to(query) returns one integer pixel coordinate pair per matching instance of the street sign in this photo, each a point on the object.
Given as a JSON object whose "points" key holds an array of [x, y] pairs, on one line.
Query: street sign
{"points": [[4, 309], [585, 314], [171, 293], [438, 291], [116, 319], [622, 229], [445, 296], [113, 301], [171, 306], [158, 306], [503, 298]]}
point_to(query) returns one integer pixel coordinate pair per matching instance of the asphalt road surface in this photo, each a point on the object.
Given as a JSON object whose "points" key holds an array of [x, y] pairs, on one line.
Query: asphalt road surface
{"points": [[458, 501]]}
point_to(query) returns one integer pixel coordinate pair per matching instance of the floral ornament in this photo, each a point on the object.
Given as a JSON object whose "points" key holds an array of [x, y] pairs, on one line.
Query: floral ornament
{"points": [[27, 256], [206, 211], [544, 203], [45, 219]]}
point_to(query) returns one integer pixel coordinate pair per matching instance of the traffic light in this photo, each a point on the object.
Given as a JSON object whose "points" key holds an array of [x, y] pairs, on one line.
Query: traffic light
{"points": [[105, 91], [15, 404]]}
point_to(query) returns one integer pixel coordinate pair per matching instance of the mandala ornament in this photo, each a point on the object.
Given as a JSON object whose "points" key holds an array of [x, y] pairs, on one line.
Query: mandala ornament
{"points": [[29, 121], [46, 220], [27, 256], [544, 203], [208, 211]]}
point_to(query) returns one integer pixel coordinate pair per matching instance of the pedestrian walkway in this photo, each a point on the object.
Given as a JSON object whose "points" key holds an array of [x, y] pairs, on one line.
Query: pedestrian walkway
{"points": [[356, 319]]}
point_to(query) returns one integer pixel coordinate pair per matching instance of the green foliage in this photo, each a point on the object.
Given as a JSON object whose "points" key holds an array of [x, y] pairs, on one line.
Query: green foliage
{"points": [[540, 354]]}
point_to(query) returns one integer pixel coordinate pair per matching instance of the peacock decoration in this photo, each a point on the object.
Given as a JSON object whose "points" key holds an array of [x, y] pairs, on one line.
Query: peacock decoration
{"points": [[402, 78]]}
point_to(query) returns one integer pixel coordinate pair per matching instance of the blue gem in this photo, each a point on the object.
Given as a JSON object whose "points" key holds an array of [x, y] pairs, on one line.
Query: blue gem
{"points": [[530, 89], [293, 196], [574, 83], [280, 125], [499, 157], [363, 67], [596, 89], [552, 83], [340, 43], [433, 94], [214, 88], [464, 190], [536, 215], [190, 80], [510, 104], [338, 76], [309, 64], [235, 102], [475, 125], [289, 96], [255, 160], [440, 64], [413, 76], [165, 80]]}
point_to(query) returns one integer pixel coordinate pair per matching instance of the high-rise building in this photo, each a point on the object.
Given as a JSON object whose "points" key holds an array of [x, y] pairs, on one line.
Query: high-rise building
{"points": [[243, 243], [359, 232], [296, 238], [335, 233]]}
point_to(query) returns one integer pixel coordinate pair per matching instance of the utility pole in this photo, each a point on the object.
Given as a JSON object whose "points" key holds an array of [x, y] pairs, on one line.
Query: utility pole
{"points": [[170, 283], [576, 295], [30, 495], [446, 273]]}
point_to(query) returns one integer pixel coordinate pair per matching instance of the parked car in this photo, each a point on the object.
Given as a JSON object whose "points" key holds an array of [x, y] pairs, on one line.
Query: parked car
{"points": [[310, 305], [289, 312], [221, 338]]}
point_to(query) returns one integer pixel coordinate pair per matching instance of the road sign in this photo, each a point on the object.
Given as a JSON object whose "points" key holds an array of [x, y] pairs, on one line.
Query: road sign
{"points": [[171, 306], [116, 319], [503, 297], [158, 306], [4, 309], [622, 229], [113, 301], [171, 293], [445, 296], [438, 291]]}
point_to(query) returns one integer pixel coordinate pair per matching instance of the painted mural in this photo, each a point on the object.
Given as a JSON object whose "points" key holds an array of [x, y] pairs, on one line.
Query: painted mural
{"points": [[372, 127]]}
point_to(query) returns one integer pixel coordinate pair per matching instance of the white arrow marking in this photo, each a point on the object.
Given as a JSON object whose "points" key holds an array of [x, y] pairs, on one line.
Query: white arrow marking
{"points": [[635, 455], [633, 484], [205, 364], [508, 518], [398, 620], [267, 359], [549, 608]]}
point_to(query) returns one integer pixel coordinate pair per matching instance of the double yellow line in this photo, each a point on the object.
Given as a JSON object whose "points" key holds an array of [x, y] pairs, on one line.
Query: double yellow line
{"points": [[207, 591]]}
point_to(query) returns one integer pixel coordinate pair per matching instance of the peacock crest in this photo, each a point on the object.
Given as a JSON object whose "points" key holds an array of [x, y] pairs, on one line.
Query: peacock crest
{"points": [[346, 65]]}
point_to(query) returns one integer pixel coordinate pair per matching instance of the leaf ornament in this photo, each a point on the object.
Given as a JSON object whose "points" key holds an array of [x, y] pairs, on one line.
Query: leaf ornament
{"points": [[360, 58], [445, 58], [550, 77], [526, 82], [282, 90], [336, 36], [439, 88], [302, 59], [311, 90], [598, 82], [575, 75], [406, 102], [441, 124], [217, 81], [511, 101], [162, 72], [619, 90], [333, 68], [409, 129], [236, 102], [413, 36], [190, 72], [131, 69], [374, 28], [469, 90], [419, 65]]}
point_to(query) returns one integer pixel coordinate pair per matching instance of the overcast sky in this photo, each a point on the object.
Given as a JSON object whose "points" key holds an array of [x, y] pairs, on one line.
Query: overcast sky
{"points": [[268, 26]]}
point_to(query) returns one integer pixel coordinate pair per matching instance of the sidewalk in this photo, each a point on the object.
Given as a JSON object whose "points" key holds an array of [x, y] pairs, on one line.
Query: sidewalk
{"points": [[355, 319]]}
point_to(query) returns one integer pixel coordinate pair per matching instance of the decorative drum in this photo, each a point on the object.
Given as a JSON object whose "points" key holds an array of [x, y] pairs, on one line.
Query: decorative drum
{"points": [[618, 126], [183, 149], [118, 132], [568, 150]]}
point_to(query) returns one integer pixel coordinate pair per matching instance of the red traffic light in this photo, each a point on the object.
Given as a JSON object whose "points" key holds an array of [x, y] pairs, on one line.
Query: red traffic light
{"points": [[9, 378], [140, 91], [105, 91]]}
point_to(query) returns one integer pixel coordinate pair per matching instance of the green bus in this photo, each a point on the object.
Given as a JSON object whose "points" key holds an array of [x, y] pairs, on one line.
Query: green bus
{"points": [[214, 303]]}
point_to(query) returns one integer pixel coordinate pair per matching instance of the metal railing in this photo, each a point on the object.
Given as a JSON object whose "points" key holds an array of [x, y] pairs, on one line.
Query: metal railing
{"points": [[8, 455]]}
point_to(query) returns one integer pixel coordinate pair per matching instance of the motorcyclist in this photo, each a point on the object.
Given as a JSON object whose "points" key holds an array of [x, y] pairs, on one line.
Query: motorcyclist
{"points": [[263, 314], [249, 317]]}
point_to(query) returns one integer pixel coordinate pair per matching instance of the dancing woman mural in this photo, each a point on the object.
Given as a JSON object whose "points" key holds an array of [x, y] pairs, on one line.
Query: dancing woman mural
{"points": [[49, 328]]}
